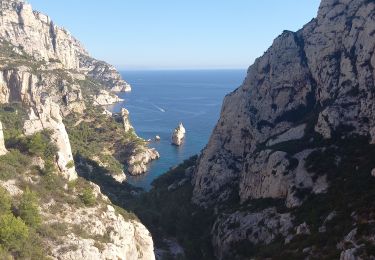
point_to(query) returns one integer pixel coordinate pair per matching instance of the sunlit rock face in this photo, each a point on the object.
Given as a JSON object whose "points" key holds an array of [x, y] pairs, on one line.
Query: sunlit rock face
{"points": [[46, 116], [310, 86], [320, 78], [3, 150], [38, 36], [44, 69], [178, 135]]}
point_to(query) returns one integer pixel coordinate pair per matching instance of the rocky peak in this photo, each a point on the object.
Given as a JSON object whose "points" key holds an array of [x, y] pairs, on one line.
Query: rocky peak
{"points": [[38, 36]]}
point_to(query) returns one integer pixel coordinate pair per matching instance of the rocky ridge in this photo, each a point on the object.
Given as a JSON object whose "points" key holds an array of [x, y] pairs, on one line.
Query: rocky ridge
{"points": [[308, 92]]}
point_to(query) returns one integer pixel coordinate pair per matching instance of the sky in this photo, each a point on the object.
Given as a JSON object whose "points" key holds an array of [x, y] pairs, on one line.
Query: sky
{"points": [[178, 34]]}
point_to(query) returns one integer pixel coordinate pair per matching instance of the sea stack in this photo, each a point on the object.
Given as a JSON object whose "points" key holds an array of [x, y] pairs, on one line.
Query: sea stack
{"points": [[125, 118], [178, 135], [3, 150]]}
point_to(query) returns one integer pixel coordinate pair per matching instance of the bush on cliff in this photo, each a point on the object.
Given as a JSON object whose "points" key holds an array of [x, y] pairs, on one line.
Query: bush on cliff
{"points": [[88, 197], [28, 209], [13, 232], [13, 164]]}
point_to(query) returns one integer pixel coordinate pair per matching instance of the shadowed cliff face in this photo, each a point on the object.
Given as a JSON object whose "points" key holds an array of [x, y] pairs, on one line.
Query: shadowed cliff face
{"points": [[311, 83]]}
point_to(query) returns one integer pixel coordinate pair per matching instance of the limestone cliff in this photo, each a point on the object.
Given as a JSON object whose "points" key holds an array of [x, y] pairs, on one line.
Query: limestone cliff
{"points": [[326, 69], [47, 77], [37, 35], [311, 89]]}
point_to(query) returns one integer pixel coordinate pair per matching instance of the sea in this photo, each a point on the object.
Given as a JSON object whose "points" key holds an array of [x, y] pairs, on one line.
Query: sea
{"points": [[160, 100]]}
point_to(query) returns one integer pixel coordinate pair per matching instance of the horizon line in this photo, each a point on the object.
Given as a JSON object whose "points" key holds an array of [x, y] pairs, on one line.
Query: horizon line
{"points": [[175, 69]]}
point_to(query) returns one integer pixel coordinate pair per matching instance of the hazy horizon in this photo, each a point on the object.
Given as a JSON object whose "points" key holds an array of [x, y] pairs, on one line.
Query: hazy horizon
{"points": [[189, 35]]}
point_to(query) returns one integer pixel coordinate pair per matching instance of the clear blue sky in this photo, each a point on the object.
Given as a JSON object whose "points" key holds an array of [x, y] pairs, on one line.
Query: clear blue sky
{"points": [[160, 34]]}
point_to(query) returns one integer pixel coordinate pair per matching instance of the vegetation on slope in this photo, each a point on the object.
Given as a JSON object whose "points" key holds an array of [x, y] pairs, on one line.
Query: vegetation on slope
{"points": [[97, 137], [29, 171], [168, 213]]}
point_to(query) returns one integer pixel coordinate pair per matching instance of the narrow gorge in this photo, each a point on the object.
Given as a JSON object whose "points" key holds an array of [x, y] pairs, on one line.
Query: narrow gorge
{"points": [[288, 172]]}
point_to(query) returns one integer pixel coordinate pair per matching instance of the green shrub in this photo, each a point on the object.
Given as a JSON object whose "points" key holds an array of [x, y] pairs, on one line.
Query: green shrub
{"points": [[126, 214], [88, 197], [13, 232], [40, 144], [5, 201], [70, 164], [12, 117], [5, 255], [28, 209], [12, 164]]}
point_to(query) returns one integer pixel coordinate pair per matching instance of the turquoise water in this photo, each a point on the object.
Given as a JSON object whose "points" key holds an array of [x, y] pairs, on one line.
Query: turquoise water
{"points": [[161, 99]]}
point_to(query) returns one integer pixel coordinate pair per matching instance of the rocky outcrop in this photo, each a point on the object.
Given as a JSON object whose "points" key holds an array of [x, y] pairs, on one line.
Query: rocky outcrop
{"points": [[140, 154], [127, 239], [125, 119], [105, 98], [137, 163], [104, 73], [178, 135], [255, 228], [3, 150], [78, 231], [47, 117]]}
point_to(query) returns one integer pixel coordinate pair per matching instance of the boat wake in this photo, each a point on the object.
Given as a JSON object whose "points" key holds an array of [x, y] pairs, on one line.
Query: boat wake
{"points": [[159, 108]]}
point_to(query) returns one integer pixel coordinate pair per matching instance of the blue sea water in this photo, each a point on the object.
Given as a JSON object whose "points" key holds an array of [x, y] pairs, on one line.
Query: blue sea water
{"points": [[161, 99]]}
